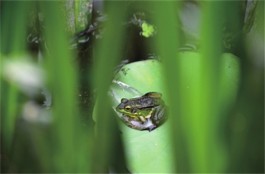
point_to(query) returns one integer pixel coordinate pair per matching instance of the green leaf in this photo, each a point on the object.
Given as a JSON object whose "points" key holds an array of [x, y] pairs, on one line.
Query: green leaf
{"points": [[148, 29]]}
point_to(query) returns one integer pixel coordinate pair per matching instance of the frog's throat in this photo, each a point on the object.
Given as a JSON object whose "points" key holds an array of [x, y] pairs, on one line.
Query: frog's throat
{"points": [[141, 116]]}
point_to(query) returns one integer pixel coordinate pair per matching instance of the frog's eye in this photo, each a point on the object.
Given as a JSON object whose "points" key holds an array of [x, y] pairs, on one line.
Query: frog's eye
{"points": [[127, 107], [124, 100]]}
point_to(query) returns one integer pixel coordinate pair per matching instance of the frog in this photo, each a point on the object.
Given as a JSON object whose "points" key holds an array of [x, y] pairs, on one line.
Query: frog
{"points": [[146, 112]]}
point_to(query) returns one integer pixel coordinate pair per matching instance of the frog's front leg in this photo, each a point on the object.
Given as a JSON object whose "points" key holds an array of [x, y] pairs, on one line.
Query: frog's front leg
{"points": [[143, 119]]}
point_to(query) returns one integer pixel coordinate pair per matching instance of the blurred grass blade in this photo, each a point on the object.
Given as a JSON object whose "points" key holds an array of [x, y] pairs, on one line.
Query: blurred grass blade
{"points": [[13, 26], [167, 44], [14, 16], [207, 152], [62, 79], [108, 52]]}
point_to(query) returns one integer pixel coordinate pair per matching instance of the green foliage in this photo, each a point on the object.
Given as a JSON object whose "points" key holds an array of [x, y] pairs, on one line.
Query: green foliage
{"points": [[148, 30], [213, 98]]}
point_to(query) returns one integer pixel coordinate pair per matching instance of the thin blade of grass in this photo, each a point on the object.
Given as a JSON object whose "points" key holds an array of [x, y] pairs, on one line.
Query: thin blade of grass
{"points": [[63, 82], [13, 19], [108, 52], [206, 150], [167, 43]]}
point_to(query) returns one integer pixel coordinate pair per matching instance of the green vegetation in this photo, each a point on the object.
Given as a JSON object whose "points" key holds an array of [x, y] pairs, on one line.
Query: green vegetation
{"points": [[148, 30], [64, 70]]}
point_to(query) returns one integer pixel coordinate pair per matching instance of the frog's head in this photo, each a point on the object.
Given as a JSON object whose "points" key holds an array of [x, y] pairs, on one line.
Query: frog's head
{"points": [[126, 107]]}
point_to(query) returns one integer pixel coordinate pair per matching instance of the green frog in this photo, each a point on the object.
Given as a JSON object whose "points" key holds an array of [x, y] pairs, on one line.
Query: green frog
{"points": [[143, 113]]}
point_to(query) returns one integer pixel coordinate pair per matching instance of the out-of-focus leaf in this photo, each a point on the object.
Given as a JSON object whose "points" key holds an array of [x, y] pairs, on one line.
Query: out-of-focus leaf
{"points": [[148, 29], [26, 75]]}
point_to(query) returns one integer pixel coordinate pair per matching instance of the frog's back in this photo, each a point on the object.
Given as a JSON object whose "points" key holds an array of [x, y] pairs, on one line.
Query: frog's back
{"points": [[145, 102]]}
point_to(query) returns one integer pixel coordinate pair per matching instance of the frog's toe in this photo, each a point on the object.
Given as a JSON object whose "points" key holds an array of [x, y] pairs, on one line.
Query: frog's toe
{"points": [[152, 127]]}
